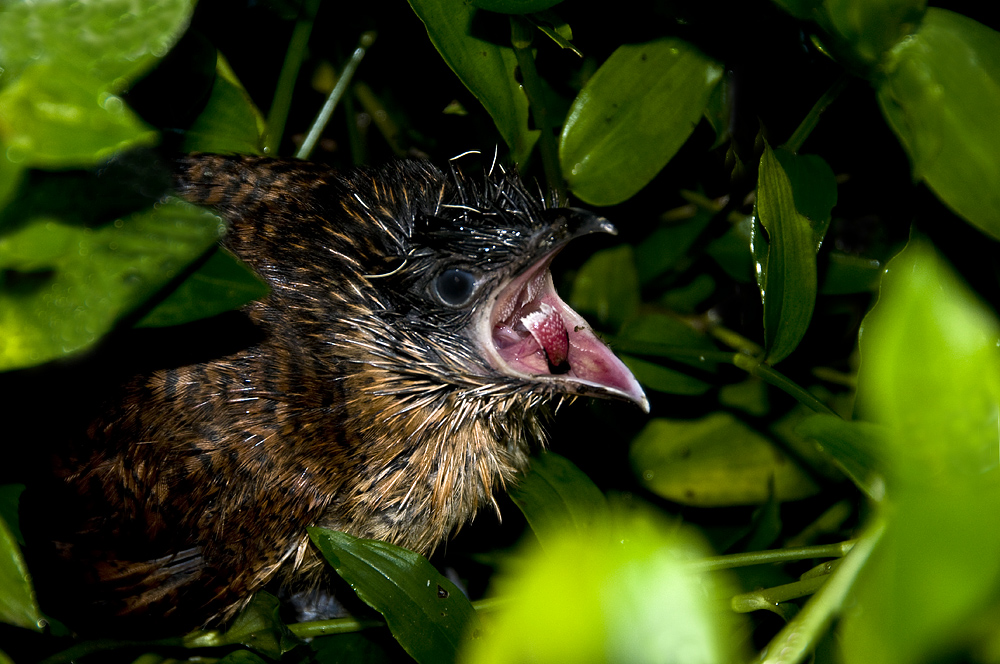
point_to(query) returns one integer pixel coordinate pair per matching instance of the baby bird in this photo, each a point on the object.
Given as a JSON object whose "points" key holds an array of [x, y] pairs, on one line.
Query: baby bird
{"points": [[393, 381]]}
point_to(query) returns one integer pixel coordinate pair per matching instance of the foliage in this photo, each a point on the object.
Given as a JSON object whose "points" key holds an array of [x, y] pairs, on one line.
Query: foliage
{"points": [[850, 495]]}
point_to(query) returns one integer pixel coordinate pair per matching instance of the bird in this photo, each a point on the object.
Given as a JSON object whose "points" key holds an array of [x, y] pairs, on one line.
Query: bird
{"points": [[394, 380]]}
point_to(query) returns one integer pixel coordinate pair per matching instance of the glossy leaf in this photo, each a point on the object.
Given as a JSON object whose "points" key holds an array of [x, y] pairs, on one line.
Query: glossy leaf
{"points": [[556, 496], [623, 594], [872, 27], [18, 605], [56, 116], [632, 116], [65, 285], [787, 276], [607, 287], [230, 123], [113, 41], [715, 461], [930, 373], [425, 611], [515, 6], [222, 283], [940, 94], [486, 69]]}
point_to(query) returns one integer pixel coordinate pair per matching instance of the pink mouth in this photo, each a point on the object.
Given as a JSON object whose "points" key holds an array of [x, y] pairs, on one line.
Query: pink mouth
{"points": [[537, 335]]}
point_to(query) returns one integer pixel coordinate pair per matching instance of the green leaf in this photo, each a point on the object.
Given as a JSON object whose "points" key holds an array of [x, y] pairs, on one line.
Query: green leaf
{"points": [[672, 332], [787, 277], [230, 123], [872, 27], [56, 116], [556, 496], [607, 287], [259, 626], [940, 94], [426, 612], [10, 496], [241, 657], [803, 9], [114, 41], [11, 176], [222, 283], [487, 70], [854, 446], [632, 116], [664, 379], [668, 245], [814, 189], [515, 6], [715, 461], [65, 285], [930, 373], [850, 274], [18, 605], [733, 252], [626, 593]]}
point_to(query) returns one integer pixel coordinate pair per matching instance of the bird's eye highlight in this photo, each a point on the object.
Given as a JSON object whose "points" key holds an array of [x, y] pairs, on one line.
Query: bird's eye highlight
{"points": [[455, 287]]}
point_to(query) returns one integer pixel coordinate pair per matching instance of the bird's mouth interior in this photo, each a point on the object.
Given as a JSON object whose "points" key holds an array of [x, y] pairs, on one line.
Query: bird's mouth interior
{"points": [[534, 334]]}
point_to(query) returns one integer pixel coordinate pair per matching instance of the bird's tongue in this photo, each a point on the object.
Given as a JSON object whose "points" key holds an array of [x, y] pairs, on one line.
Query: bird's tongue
{"points": [[535, 334]]}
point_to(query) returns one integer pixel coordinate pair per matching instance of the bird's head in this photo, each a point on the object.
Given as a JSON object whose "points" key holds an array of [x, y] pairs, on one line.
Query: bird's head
{"points": [[459, 272]]}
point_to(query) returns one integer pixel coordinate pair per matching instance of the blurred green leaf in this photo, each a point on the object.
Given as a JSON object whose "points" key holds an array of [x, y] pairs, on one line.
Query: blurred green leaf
{"points": [[930, 373], [230, 123], [515, 6], [872, 27], [732, 251], [11, 176], [555, 496], [787, 276], [715, 461], [63, 286], [487, 70], [625, 594], [632, 116], [856, 447], [18, 605], [425, 611], [940, 94], [607, 287], [112, 41], [368, 646], [259, 626], [10, 496], [222, 283], [668, 245], [57, 116], [749, 396], [664, 379], [667, 331], [686, 299], [850, 274], [803, 9], [241, 657]]}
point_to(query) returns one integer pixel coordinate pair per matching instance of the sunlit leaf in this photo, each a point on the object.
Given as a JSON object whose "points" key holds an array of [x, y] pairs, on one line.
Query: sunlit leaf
{"points": [[486, 69], [18, 605], [555, 496], [930, 373], [940, 94], [713, 461], [113, 41], [65, 285], [222, 283], [426, 612], [632, 116], [230, 122], [624, 594], [57, 116], [872, 27]]}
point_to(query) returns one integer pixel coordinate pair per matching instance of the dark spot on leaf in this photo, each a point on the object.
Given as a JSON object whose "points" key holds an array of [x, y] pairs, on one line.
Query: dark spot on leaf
{"points": [[686, 452], [442, 593], [689, 494], [643, 57]]}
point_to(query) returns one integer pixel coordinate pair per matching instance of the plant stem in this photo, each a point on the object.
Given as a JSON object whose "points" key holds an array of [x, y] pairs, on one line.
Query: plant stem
{"points": [[768, 598], [367, 39], [282, 101], [801, 133], [730, 561], [793, 643], [522, 33]]}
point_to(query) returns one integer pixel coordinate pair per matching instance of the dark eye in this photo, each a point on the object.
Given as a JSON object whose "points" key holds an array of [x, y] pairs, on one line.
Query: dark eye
{"points": [[455, 287]]}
